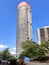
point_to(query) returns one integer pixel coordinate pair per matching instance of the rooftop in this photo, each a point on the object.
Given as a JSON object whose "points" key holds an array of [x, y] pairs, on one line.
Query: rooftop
{"points": [[23, 4]]}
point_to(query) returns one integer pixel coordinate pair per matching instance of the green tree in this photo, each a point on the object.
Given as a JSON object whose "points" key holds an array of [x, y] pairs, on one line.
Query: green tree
{"points": [[33, 50], [27, 43], [46, 45], [6, 55]]}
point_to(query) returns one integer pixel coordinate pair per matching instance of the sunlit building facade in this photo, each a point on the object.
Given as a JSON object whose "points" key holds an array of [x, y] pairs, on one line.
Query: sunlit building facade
{"points": [[24, 27], [43, 34]]}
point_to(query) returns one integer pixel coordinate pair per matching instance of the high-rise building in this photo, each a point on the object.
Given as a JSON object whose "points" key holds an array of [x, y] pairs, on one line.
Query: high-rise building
{"points": [[43, 34], [24, 28]]}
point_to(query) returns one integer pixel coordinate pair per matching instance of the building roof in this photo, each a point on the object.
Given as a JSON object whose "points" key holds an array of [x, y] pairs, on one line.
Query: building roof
{"points": [[23, 4], [43, 27]]}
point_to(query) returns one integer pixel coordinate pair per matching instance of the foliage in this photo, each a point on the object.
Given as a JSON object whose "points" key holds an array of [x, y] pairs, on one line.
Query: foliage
{"points": [[6, 55], [12, 58], [34, 50], [27, 43], [46, 45]]}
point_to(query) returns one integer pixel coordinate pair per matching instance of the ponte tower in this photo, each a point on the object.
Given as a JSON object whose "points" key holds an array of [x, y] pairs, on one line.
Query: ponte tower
{"points": [[24, 27]]}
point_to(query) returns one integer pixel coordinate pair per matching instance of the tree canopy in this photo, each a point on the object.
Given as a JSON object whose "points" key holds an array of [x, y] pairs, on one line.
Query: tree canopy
{"points": [[33, 50], [6, 55]]}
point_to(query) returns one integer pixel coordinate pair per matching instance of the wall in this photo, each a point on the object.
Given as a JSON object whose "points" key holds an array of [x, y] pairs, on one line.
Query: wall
{"points": [[37, 63]]}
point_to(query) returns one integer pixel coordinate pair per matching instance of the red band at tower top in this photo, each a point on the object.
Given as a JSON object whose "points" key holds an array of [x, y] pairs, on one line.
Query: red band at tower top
{"points": [[23, 4]]}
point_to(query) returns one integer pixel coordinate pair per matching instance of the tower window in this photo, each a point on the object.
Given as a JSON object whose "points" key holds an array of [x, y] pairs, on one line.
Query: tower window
{"points": [[30, 23], [27, 37], [31, 39], [27, 8], [30, 11], [27, 22]]}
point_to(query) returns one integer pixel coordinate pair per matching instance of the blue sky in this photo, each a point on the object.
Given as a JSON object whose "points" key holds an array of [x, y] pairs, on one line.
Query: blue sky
{"points": [[8, 19]]}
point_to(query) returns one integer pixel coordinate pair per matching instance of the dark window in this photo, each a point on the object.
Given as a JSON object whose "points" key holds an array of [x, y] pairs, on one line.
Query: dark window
{"points": [[48, 30], [30, 23], [27, 22], [42, 33], [30, 11], [31, 39], [27, 8], [27, 37]]}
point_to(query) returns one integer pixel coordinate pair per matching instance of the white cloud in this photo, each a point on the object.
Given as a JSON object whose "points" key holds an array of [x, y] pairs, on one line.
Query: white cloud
{"points": [[13, 51], [3, 46]]}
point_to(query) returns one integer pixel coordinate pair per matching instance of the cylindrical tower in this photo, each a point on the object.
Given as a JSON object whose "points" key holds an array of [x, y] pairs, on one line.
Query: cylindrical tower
{"points": [[24, 29]]}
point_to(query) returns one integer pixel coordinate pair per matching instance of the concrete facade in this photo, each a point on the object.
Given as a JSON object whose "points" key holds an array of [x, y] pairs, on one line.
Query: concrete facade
{"points": [[24, 28], [30, 63], [43, 34]]}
